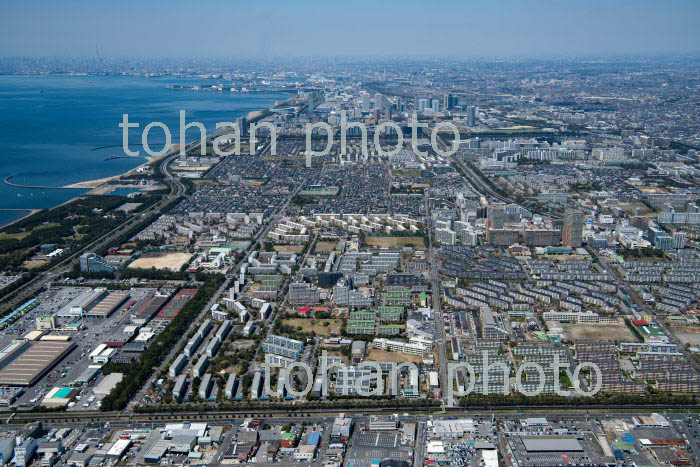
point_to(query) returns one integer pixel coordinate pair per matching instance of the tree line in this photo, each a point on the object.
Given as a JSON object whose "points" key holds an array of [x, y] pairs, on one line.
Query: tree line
{"points": [[136, 374]]}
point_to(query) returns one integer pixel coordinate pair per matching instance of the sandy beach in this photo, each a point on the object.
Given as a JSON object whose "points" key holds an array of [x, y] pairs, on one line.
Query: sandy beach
{"points": [[90, 184]]}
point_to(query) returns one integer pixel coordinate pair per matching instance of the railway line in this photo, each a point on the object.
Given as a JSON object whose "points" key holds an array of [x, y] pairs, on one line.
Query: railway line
{"points": [[292, 412]]}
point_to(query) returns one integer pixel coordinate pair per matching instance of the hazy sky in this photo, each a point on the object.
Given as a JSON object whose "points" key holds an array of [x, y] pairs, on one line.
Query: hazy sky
{"points": [[349, 27]]}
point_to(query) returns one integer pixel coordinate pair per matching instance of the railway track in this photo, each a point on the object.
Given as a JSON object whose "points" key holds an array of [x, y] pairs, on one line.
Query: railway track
{"points": [[115, 416]]}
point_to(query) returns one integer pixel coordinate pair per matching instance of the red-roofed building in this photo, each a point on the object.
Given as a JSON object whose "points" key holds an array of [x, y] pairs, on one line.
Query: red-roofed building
{"points": [[256, 424]]}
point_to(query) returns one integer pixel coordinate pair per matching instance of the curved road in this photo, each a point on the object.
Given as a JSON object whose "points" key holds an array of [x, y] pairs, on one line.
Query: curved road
{"points": [[24, 292]]}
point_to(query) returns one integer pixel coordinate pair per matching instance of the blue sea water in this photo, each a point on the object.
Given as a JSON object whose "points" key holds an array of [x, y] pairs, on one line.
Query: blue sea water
{"points": [[50, 124]]}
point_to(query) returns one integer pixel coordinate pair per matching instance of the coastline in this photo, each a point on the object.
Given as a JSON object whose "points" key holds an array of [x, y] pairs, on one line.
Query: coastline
{"points": [[87, 185], [29, 212], [252, 116], [91, 184]]}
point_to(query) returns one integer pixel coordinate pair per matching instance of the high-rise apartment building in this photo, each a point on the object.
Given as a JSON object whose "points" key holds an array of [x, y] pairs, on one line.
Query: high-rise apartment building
{"points": [[496, 216]]}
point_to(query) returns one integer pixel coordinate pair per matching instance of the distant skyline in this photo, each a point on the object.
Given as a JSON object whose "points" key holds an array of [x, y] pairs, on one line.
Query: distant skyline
{"points": [[220, 28]]}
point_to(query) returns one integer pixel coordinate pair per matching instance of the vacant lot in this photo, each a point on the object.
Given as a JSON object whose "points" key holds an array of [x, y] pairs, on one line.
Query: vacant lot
{"points": [[315, 325], [406, 173], [169, 261], [325, 247], [635, 208], [389, 242], [383, 356], [205, 181], [33, 264], [687, 334], [288, 248], [616, 332], [242, 344]]}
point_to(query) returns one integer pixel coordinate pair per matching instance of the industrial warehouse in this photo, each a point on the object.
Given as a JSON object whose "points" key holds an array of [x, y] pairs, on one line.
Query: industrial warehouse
{"points": [[108, 305], [22, 363]]}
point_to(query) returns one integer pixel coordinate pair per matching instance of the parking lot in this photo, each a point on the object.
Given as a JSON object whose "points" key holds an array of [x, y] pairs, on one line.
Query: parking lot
{"points": [[367, 445], [92, 332]]}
